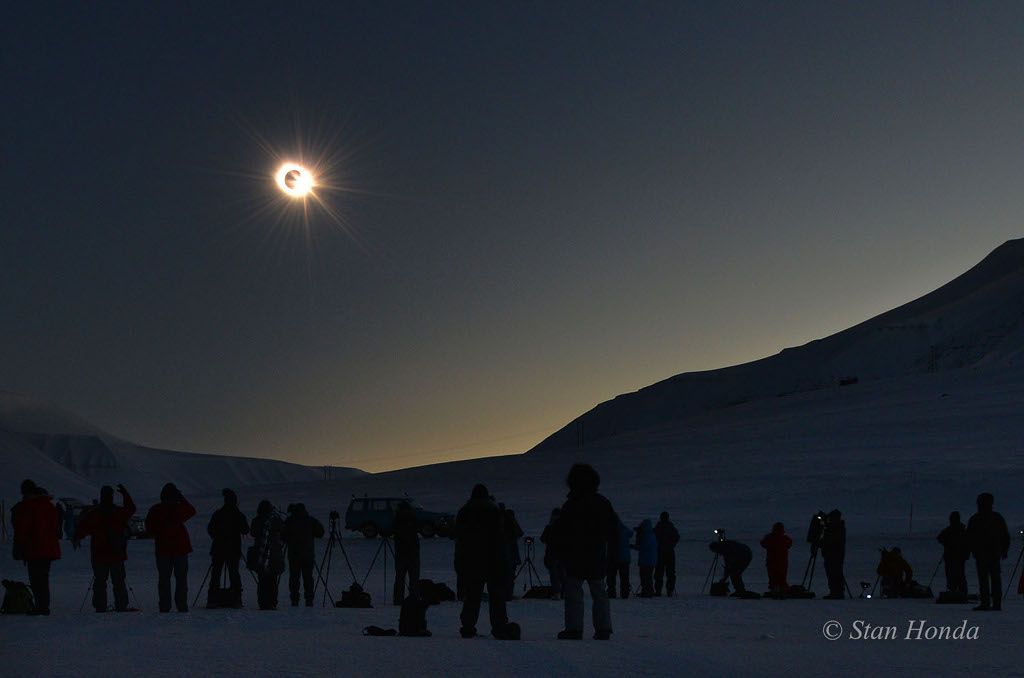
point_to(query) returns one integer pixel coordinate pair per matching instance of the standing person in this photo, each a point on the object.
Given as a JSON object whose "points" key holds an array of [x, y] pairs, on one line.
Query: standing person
{"points": [[618, 561], [301, 531], [989, 540], [735, 559], [35, 540], [647, 557], [407, 550], [513, 559], [481, 559], [267, 554], [227, 526], [552, 556], [833, 550], [107, 525], [955, 552], [61, 511], [589, 529], [166, 523], [776, 545], [668, 537]]}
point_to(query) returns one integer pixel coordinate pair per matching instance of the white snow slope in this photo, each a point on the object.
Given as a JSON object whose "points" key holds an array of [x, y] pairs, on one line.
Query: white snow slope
{"points": [[918, 442]]}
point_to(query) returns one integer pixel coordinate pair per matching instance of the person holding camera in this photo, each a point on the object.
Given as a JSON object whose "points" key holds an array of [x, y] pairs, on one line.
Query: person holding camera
{"points": [[107, 525], [301, 531], [166, 523], [407, 550], [833, 550], [736, 558], [227, 526]]}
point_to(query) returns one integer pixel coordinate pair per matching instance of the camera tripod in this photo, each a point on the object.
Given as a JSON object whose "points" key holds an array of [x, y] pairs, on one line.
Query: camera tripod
{"points": [[92, 582], [527, 564], [324, 576], [812, 562], [711, 572], [383, 548], [223, 584]]}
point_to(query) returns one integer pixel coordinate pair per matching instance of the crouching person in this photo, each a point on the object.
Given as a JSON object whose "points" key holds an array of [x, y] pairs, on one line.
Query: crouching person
{"points": [[736, 558], [106, 524]]}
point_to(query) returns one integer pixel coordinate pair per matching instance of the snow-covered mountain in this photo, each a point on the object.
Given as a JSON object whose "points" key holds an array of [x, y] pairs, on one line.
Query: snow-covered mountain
{"points": [[70, 457], [974, 320]]}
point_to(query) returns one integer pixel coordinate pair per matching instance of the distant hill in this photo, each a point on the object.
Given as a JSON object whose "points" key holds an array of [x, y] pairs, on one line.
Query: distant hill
{"points": [[70, 457], [974, 320]]}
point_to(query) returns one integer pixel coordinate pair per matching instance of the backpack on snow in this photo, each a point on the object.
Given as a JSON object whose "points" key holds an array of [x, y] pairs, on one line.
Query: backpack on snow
{"points": [[17, 598], [412, 620], [355, 596]]}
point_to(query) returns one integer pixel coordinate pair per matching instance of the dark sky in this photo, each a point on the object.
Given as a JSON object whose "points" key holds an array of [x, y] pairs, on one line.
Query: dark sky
{"points": [[554, 203]]}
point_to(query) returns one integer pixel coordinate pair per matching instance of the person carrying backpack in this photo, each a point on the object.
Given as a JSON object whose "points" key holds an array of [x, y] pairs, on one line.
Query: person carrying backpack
{"points": [[107, 526], [226, 528], [266, 555], [665, 570], [35, 540], [299, 535], [166, 523]]}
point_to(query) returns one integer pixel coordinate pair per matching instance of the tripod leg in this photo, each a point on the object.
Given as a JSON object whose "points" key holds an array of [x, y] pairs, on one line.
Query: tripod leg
{"points": [[847, 585], [200, 591], [1013, 574], [92, 582], [936, 572], [813, 564], [875, 587], [711, 571]]}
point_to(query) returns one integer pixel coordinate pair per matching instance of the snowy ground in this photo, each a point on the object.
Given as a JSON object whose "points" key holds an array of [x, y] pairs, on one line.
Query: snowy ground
{"points": [[872, 450]]}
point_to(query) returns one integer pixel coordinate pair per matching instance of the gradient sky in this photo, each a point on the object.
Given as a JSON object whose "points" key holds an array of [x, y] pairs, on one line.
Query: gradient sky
{"points": [[558, 203]]}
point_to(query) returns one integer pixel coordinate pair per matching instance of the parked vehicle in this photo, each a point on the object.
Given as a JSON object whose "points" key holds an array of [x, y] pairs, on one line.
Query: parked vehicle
{"points": [[376, 515]]}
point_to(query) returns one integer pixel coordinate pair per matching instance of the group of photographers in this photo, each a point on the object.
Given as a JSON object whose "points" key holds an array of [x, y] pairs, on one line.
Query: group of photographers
{"points": [[585, 541]]}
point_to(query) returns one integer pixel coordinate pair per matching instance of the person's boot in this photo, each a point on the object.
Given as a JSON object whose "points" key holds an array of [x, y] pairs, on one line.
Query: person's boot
{"points": [[309, 602], [467, 632], [295, 601], [570, 635], [602, 635]]}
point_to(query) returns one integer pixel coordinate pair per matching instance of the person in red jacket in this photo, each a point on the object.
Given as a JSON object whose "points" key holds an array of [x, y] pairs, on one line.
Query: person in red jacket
{"points": [[107, 524], [35, 540], [776, 545], [166, 523]]}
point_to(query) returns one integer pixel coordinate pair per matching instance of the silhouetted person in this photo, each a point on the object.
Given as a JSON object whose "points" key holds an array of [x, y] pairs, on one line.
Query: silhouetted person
{"points": [[227, 526], [989, 540], [407, 550], [61, 511], [165, 522], [552, 555], [269, 554], [665, 570], [300, 532], [833, 550], [895, 573], [589, 530], [35, 540], [736, 558], [107, 526], [647, 557], [955, 552], [776, 545], [481, 559], [513, 559], [619, 559]]}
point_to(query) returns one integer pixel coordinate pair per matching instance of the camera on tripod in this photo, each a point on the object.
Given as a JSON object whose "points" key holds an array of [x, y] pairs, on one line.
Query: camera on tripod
{"points": [[720, 533], [528, 541], [335, 516], [816, 530]]}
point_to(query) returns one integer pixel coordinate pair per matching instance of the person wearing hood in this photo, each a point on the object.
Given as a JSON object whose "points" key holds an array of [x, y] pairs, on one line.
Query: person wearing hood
{"points": [[589, 529], [618, 562], [166, 523], [226, 528], [301, 531], [665, 570], [107, 525], [647, 557], [35, 540], [481, 560], [955, 552], [833, 550], [776, 545], [267, 556], [989, 540]]}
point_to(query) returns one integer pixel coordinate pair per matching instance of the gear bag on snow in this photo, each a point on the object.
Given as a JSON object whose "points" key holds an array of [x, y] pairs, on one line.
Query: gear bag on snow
{"points": [[17, 598]]}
